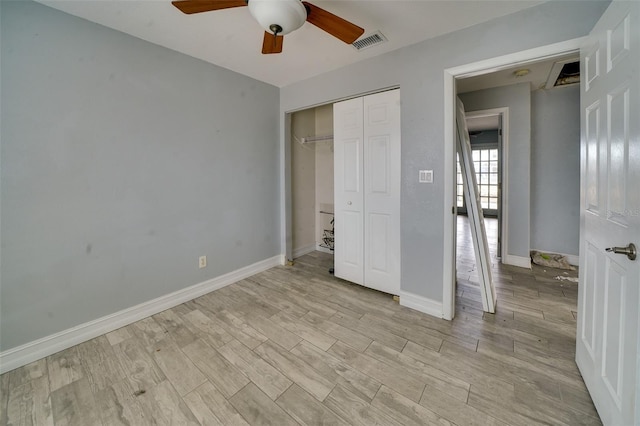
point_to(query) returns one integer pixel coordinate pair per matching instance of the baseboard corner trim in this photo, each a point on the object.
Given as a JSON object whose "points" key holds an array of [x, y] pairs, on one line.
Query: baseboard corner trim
{"points": [[301, 251], [32, 351], [421, 304], [520, 261]]}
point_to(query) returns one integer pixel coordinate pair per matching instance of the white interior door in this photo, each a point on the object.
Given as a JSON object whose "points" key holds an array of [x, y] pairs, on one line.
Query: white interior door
{"points": [[382, 191], [348, 190], [608, 295], [474, 211]]}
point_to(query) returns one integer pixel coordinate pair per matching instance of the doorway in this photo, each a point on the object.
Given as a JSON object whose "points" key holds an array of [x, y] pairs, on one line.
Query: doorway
{"points": [[489, 141], [450, 83]]}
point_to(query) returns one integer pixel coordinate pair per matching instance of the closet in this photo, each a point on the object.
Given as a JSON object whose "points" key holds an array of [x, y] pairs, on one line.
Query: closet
{"points": [[367, 190], [312, 180]]}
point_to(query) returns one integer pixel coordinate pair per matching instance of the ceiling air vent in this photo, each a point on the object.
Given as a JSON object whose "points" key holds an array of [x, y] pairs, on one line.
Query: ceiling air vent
{"points": [[369, 41]]}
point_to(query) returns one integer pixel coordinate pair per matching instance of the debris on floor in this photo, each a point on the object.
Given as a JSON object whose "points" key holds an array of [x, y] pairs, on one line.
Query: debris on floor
{"points": [[551, 259], [572, 279]]}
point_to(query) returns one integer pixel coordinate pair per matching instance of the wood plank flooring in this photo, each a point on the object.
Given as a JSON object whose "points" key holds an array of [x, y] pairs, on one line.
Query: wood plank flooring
{"points": [[294, 345]]}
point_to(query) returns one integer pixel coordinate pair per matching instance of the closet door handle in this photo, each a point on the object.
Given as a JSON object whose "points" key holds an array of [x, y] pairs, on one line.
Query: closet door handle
{"points": [[348, 203]]}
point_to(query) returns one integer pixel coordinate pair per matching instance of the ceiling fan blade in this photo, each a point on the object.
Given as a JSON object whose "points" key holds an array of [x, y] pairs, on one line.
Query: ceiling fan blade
{"points": [[197, 6], [271, 43], [334, 25]]}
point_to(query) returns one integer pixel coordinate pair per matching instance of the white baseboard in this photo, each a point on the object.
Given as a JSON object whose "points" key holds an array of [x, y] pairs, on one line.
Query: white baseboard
{"points": [[571, 258], [522, 262], [422, 304], [323, 249], [301, 251], [33, 351]]}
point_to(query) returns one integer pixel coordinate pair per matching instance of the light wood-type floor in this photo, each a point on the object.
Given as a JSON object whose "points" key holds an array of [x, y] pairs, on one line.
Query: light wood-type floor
{"points": [[294, 345]]}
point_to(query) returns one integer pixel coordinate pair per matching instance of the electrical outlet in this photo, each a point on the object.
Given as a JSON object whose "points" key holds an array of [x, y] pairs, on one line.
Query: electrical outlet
{"points": [[202, 262]]}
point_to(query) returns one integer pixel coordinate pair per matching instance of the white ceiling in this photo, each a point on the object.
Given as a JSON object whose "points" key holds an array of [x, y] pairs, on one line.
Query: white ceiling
{"points": [[232, 39]]}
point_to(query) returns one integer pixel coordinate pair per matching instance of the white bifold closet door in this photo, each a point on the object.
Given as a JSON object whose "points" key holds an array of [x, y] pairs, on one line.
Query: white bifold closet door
{"points": [[367, 190]]}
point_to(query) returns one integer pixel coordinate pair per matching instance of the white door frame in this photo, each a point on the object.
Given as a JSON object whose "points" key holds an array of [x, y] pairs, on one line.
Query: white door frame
{"points": [[504, 154], [450, 74]]}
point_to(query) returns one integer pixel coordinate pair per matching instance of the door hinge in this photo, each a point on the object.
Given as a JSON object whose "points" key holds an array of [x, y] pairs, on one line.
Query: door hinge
{"points": [[453, 210]]}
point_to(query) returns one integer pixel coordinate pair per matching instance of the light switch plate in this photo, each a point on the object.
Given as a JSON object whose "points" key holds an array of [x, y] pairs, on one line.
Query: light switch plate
{"points": [[425, 176]]}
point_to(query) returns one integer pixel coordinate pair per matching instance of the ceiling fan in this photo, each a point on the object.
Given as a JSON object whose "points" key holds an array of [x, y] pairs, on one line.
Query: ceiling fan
{"points": [[280, 17]]}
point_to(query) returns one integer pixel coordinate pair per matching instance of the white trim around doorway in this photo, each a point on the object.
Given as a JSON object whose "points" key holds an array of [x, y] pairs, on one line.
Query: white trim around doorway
{"points": [[450, 75]]}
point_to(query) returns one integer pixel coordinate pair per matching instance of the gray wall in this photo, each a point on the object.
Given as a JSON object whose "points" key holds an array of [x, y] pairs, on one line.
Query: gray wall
{"points": [[122, 162], [418, 70], [555, 170], [517, 98]]}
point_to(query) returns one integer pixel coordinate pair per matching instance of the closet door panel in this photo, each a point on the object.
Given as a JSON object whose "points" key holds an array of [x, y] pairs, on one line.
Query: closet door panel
{"points": [[351, 153], [348, 190], [378, 163], [378, 242], [351, 241], [381, 136]]}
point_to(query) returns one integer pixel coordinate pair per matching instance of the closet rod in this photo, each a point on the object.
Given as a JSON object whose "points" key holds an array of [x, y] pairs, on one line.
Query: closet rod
{"points": [[311, 139]]}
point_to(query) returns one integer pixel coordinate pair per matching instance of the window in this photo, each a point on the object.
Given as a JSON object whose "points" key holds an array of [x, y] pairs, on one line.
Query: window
{"points": [[459, 183], [486, 164]]}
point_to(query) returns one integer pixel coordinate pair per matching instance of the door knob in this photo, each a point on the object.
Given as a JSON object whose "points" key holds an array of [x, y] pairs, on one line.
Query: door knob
{"points": [[349, 203], [629, 250]]}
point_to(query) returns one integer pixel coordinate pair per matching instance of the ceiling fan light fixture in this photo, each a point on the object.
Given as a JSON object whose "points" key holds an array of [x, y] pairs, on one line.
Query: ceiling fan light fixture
{"points": [[287, 15]]}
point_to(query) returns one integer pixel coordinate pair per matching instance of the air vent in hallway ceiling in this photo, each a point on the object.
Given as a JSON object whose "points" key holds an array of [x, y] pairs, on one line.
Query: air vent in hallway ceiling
{"points": [[369, 41]]}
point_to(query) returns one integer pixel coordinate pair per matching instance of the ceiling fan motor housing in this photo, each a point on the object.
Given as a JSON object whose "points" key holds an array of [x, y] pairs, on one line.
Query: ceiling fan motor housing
{"points": [[288, 15]]}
